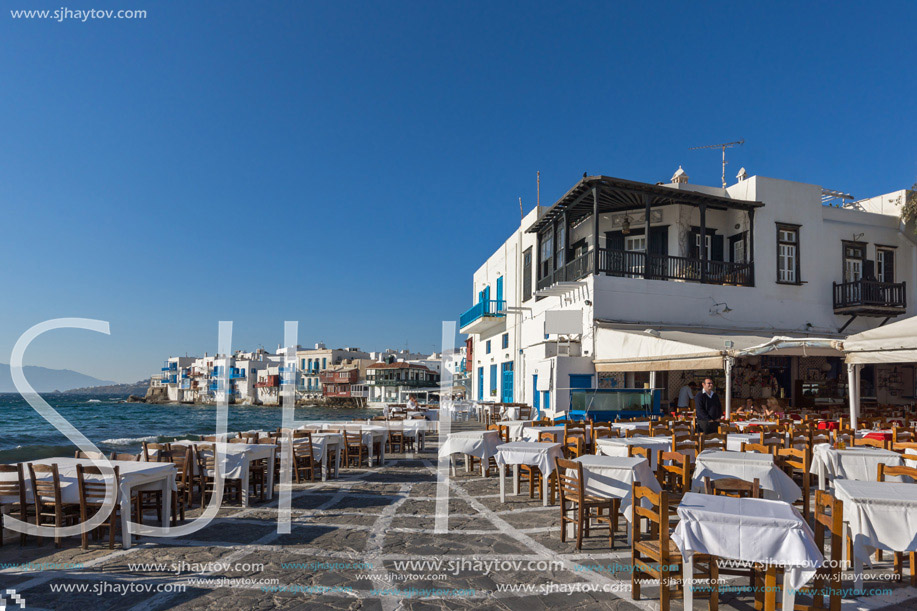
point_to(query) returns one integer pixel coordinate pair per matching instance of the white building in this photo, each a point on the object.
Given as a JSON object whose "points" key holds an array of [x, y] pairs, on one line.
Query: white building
{"points": [[704, 270]]}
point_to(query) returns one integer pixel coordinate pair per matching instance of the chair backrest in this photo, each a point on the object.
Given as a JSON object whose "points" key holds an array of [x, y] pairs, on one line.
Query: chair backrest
{"points": [[674, 471], [653, 507], [797, 459], [205, 454], [210, 438], [548, 436], [734, 487], [574, 446], [637, 451], [89, 455], [183, 458], [92, 491], [603, 432], [525, 412], [887, 471], [660, 431], [125, 456], [153, 452], [269, 440], [772, 439], [301, 434], [570, 479], [757, 448], [13, 488], [902, 435], [713, 441], [873, 443], [45, 491], [353, 438], [636, 433]]}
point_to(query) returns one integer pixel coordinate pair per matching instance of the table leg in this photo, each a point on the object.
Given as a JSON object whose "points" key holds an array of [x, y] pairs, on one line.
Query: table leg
{"points": [[821, 477], [770, 588], [516, 480], [545, 486], [452, 464], [324, 461], [166, 502], [789, 594], [688, 579], [126, 520], [502, 484], [245, 474], [337, 461], [270, 474], [381, 460], [467, 463]]}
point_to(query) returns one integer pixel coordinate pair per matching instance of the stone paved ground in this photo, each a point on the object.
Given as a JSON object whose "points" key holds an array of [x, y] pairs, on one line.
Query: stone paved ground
{"points": [[349, 539]]}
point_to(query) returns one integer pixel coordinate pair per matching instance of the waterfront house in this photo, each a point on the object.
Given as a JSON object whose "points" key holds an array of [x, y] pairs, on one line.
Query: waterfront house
{"points": [[602, 288], [387, 382]]}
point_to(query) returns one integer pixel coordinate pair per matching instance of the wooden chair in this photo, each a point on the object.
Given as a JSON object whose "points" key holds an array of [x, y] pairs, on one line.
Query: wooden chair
{"points": [[14, 491], [734, 487], [354, 448], [183, 498], [303, 458], [574, 446], [397, 439], [628, 433], [660, 431], [685, 444], [653, 553], [47, 503], [92, 496], [774, 440], [639, 452], [829, 528], [205, 455], [902, 435], [576, 429], [572, 489], [886, 471], [602, 433], [796, 462], [525, 412]]}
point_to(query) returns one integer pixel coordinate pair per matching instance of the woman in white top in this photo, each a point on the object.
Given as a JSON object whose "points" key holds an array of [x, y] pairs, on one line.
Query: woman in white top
{"points": [[412, 403]]}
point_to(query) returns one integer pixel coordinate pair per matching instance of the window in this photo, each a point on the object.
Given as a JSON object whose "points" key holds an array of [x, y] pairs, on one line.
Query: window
{"points": [[487, 347], [505, 341], [854, 256], [527, 274], [547, 253], [493, 380], [788, 254], [561, 249], [885, 264]]}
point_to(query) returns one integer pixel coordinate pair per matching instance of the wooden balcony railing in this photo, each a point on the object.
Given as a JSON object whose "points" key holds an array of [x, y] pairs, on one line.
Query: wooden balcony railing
{"points": [[868, 295]]}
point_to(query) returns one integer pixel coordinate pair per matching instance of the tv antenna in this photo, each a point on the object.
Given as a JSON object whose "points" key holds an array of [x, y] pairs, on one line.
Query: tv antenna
{"points": [[724, 146]]}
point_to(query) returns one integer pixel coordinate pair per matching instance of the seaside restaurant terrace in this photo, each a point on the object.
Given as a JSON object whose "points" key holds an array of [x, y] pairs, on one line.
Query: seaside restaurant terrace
{"points": [[627, 217]]}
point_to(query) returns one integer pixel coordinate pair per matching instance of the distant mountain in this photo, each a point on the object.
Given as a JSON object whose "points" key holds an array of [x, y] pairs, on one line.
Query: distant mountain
{"points": [[43, 379], [137, 388]]}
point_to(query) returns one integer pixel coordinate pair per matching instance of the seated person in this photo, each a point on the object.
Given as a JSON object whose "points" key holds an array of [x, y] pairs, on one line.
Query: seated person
{"points": [[748, 408]]}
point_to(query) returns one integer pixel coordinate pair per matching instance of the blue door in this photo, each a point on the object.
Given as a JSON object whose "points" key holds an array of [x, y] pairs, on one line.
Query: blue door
{"points": [[493, 381], [507, 382], [500, 288], [547, 400], [536, 396], [480, 383]]}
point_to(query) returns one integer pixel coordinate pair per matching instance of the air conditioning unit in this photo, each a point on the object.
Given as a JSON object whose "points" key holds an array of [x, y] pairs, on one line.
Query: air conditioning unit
{"points": [[563, 349]]}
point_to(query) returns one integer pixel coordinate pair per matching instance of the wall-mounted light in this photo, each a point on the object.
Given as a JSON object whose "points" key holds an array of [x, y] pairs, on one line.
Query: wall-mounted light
{"points": [[625, 226]]}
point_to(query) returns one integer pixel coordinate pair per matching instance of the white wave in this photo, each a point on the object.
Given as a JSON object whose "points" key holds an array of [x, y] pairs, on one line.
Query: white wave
{"points": [[126, 441], [94, 401]]}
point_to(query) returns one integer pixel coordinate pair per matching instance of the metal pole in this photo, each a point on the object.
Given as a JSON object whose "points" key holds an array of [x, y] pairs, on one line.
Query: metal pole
{"points": [[852, 393], [728, 363]]}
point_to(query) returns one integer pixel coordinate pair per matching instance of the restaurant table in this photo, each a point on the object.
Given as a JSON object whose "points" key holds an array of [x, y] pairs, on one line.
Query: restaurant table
{"points": [[134, 475], [371, 434], [749, 530], [734, 441], [536, 454], [511, 413], [530, 433], [879, 435], [611, 446], [322, 445], [827, 425], [719, 464], [743, 424], [612, 477], [480, 444], [236, 460], [879, 515], [858, 463]]}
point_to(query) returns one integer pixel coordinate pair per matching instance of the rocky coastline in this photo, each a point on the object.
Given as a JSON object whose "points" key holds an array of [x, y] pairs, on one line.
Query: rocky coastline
{"points": [[158, 395]]}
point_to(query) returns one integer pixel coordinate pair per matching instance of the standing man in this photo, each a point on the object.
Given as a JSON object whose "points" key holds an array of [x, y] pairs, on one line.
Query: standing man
{"points": [[686, 393], [707, 409]]}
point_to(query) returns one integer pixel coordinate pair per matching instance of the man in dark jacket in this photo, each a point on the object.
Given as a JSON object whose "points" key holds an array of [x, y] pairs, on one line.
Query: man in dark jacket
{"points": [[707, 409]]}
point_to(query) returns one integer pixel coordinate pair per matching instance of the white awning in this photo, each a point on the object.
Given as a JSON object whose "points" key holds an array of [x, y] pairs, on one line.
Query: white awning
{"points": [[894, 343], [619, 349]]}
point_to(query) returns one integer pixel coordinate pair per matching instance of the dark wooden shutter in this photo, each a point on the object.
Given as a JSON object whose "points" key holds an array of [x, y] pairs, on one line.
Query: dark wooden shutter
{"points": [[716, 246]]}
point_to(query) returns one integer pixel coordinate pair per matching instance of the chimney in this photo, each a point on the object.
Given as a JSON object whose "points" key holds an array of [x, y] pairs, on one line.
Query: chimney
{"points": [[742, 175], [680, 176]]}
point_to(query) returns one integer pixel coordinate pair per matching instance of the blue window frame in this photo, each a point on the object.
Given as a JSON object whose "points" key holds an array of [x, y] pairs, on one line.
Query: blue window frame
{"points": [[500, 288], [507, 371], [505, 341], [536, 396], [547, 400], [487, 347], [493, 379], [324, 363], [480, 383]]}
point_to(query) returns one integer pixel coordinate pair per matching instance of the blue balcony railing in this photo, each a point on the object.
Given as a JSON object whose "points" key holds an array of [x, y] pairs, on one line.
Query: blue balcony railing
{"points": [[490, 307]]}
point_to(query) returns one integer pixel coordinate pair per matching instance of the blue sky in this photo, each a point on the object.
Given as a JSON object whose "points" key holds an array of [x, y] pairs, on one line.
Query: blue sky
{"points": [[349, 165]]}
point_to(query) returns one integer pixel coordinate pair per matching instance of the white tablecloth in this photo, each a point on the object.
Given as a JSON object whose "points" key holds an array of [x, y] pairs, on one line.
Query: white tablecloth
{"points": [[511, 413], [719, 464], [618, 447], [515, 428], [751, 530], [742, 424], [613, 477], [481, 444], [538, 454], [631, 426], [734, 441], [236, 459], [857, 463], [881, 515]]}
